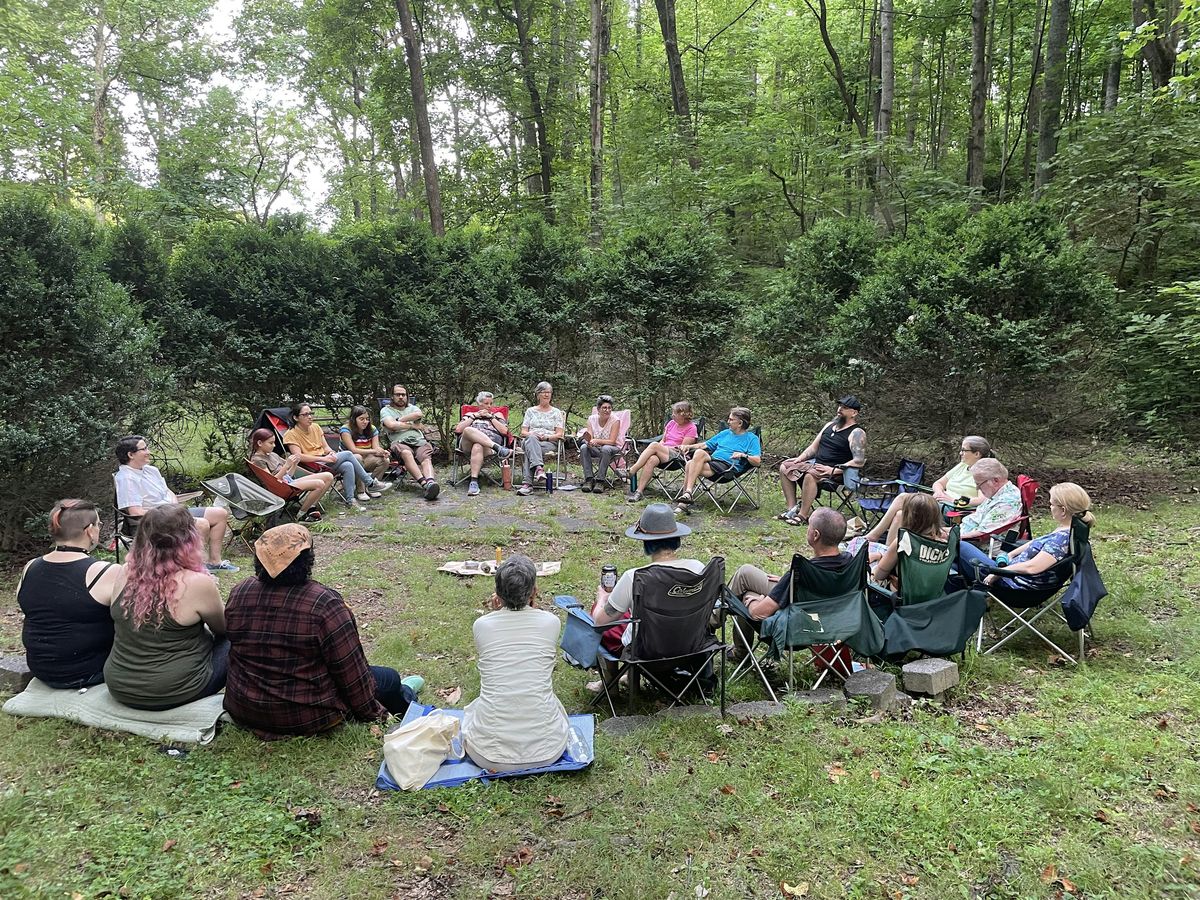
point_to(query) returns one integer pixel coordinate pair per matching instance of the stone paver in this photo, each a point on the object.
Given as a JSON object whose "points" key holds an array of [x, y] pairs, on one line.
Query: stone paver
{"points": [[756, 709], [623, 725], [14, 674], [930, 676], [875, 686]]}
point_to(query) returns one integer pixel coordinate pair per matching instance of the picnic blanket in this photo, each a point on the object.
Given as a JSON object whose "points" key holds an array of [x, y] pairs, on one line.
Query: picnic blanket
{"points": [[581, 750], [488, 567], [192, 723]]}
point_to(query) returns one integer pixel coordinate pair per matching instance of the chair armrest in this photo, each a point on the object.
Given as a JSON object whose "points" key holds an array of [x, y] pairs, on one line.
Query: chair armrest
{"points": [[883, 591], [189, 496]]}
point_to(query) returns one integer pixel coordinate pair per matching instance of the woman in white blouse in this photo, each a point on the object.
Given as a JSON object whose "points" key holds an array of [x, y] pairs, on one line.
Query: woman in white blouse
{"points": [[541, 429]]}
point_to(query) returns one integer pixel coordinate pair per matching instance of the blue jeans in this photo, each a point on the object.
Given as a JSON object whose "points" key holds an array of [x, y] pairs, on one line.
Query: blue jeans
{"points": [[390, 692], [968, 556], [348, 466]]}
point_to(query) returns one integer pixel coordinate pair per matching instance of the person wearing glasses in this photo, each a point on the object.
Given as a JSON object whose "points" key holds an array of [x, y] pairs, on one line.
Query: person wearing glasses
{"points": [[65, 595], [482, 432], [1001, 500], [141, 488], [542, 427], [400, 420], [955, 490], [737, 448], [599, 442], [1029, 566], [306, 440]]}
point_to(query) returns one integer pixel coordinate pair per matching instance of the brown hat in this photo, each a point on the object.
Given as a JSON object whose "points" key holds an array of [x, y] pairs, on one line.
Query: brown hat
{"points": [[279, 546]]}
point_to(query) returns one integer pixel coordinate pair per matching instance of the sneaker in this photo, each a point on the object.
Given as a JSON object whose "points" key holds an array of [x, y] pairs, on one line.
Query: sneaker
{"points": [[432, 489], [589, 484], [414, 683], [594, 686], [374, 494], [473, 489], [539, 473], [525, 489], [502, 452], [356, 507], [635, 497], [223, 566], [600, 488], [363, 496], [382, 487]]}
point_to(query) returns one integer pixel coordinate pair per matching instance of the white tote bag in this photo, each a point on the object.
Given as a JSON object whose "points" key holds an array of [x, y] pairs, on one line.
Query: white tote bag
{"points": [[414, 751]]}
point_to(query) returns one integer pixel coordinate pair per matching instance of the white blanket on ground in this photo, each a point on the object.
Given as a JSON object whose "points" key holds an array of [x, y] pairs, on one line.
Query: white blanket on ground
{"points": [[192, 723]]}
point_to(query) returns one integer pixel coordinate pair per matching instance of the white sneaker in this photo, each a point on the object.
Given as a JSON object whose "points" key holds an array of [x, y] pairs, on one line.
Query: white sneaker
{"points": [[362, 497], [383, 487]]}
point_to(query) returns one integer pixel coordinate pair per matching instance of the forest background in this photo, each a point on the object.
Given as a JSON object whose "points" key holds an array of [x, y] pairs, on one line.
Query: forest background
{"points": [[979, 216]]}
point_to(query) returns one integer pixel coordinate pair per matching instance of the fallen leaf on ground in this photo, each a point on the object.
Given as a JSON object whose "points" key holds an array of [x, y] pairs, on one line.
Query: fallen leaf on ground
{"points": [[1101, 816], [701, 892], [1068, 885], [378, 847], [20, 868], [836, 772], [876, 774], [794, 890], [910, 880], [725, 728], [424, 864], [450, 695], [728, 789], [1049, 874], [169, 845]]}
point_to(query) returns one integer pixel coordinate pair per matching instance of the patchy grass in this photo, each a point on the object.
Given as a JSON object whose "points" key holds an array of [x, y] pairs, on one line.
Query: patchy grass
{"points": [[1034, 781]]}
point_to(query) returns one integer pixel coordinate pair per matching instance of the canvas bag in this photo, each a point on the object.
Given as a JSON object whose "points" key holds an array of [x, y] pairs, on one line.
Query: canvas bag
{"points": [[414, 751]]}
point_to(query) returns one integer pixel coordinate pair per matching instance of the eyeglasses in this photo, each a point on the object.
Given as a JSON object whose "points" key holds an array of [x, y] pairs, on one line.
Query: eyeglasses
{"points": [[303, 414]]}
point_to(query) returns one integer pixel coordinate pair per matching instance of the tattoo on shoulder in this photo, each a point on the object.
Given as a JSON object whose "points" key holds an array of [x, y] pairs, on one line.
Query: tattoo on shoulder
{"points": [[858, 443]]}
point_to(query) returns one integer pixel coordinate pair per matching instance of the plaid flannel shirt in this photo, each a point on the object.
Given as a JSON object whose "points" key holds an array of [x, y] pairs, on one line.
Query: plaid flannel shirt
{"points": [[296, 665]]}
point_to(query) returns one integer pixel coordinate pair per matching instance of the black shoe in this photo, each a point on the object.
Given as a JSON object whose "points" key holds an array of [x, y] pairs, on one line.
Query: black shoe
{"points": [[588, 485], [600, 488], [432, 489]]}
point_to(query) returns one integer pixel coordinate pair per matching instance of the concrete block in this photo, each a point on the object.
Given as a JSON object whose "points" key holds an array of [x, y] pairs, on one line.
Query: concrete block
{"points": [[819, 697], [14, 674], [688, 712], [930, 676], [756, 709], [873, 685]]}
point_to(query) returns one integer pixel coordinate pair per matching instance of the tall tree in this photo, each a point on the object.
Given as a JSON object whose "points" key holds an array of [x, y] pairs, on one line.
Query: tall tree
{"points": [[978, 104], [597, 86], [416, 74], [1052, 89], [679, 91]]}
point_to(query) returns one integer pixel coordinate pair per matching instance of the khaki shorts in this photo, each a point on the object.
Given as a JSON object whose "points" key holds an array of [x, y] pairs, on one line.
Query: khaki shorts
{"points": [[420, 453]]}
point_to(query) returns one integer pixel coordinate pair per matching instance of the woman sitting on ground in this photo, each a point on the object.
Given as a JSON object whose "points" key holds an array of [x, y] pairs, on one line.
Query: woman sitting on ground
{"points": [[262, 442], [680, 430], [599, 442], [923, 517], [65, 596], [169, 646], [361, 438], [1029, 566], [517, 722], [954, 490]]}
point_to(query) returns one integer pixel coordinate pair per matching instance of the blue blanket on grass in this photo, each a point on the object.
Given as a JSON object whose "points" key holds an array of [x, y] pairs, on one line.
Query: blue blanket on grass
{"points": [[581, 750]]}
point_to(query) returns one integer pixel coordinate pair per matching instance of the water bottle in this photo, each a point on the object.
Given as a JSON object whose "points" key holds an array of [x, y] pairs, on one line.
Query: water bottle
{"points": [[549, 482], [633, 483]]}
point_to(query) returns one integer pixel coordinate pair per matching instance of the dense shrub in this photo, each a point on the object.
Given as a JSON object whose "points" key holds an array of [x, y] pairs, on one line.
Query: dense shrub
{"points": [[76, 364], [1162, 358], [992, 323]]}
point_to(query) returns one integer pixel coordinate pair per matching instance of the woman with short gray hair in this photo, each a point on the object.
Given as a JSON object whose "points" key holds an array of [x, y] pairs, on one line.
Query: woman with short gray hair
{"points": [[541, 430], [481, 432], [517, 722]]}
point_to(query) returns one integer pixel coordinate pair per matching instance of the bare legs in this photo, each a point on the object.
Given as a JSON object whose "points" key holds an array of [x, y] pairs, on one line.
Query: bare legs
{"points": [[420, 471], [696, 466], [892, 521], [316, 485], [657, 454], [477, 445], [212, 530]]}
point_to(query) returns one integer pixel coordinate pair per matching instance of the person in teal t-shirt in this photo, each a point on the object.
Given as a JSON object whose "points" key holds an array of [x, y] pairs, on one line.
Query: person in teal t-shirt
{"points": [[735, 449]]}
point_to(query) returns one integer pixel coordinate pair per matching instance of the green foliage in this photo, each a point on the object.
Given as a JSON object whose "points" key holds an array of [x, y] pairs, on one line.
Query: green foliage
{"points": [[76, 362], [135, 258], [1162, 352]]}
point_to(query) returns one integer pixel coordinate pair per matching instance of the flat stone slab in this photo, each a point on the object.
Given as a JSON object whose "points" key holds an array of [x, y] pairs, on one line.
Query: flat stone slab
{"points": [[873, 685], [819, 697], [623, 725], [756, 709], [930, 676], [14, 674], [688, 712]]}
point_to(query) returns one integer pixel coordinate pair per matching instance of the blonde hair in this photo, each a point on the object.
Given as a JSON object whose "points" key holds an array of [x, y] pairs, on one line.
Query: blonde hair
{"points": [[1074, 500], [683, 407]]}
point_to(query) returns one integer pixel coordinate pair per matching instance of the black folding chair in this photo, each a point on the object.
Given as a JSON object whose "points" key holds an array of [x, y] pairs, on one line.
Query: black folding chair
{"points": [[730, 487]]}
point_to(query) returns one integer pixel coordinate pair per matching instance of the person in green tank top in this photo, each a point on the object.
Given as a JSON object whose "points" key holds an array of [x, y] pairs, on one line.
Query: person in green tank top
{"points": [[947, 490], [169, 645]]}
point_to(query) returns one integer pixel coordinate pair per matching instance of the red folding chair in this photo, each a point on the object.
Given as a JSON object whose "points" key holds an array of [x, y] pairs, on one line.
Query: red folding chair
{"points": [[462, 460]]}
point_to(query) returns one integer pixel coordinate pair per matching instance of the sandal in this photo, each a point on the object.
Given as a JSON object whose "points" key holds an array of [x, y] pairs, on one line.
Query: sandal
{"points": [[685, 499], [788, 513], [796, 520]]}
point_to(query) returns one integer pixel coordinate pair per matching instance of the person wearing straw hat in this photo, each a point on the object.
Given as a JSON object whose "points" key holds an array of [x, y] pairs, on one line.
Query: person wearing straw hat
{"points": [[296, 664]]}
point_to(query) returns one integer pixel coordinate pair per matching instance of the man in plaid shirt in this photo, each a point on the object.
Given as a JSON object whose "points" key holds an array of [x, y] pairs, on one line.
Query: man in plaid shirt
{"points": [[296, 665]]}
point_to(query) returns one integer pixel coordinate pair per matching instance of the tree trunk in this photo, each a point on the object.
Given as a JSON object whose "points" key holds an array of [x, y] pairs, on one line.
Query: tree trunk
{"points": [[416, 77], [1033, 103], [1159, 53], [914, 87], [975, 135], [598, 52], [887, 83], [679, 94], [1052, 88], [521, 18], [101, 82], [1112, 77]]}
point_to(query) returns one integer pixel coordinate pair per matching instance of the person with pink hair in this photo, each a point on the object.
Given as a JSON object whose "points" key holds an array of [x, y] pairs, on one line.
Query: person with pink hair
{"points": [[169, 645]]}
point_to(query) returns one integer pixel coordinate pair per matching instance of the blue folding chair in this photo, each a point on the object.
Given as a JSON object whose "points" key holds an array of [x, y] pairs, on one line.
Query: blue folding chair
{"points": [[876, 497]]}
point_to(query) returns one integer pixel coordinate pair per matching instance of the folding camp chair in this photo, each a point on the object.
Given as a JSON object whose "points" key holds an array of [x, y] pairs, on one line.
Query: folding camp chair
{"points": [[1016, 530], [278, 420], [289, 494], [671, 643], [828, 613], [624, 443], [840, 494], [668, 478], [875, 498], [124, 528], [922, 615], [252, 508], [731, 485], [461, 462], [1079, 583]]}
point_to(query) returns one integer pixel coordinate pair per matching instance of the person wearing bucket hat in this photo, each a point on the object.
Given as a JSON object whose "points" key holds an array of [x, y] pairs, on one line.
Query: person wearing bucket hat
{"points": [[296, 664], [838, 451]]}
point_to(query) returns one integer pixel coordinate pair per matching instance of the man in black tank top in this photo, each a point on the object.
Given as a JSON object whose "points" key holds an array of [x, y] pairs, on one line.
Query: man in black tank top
{"points": [[839, 451]]}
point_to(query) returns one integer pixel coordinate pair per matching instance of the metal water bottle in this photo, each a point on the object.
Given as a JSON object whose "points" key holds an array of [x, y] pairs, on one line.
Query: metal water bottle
{"points": [[549, 482], [608, 578], [506, 476]]}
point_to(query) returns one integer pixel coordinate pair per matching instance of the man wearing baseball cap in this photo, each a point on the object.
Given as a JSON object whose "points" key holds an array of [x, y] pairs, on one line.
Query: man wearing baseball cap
{"points": [[296, 664], [838, 451]]}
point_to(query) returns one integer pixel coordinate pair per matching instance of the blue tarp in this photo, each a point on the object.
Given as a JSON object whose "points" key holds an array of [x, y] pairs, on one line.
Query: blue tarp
{"points": [[581, 750]]}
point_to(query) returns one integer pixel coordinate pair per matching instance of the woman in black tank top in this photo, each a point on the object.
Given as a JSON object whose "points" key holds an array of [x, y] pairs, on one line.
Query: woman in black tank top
{"points": [[65, 595]]}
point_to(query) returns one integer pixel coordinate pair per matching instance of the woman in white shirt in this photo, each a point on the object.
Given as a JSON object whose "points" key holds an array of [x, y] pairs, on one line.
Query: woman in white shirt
{"points": [[517, 722], [542, 427]]}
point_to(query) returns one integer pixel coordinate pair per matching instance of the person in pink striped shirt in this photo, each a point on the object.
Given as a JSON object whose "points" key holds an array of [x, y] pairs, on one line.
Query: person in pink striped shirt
{"points": [[680, 430]]}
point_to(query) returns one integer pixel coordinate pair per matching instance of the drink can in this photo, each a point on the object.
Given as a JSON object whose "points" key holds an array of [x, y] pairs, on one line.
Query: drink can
{"points": [[549, 482], [608, 577]]}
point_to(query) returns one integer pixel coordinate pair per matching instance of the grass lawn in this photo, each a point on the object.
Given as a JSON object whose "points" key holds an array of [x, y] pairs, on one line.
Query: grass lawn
{"points": [[1035, 780]]}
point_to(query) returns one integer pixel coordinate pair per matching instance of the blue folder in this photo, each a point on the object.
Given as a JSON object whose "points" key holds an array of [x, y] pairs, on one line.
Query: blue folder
{"points": [[580, 752]]}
